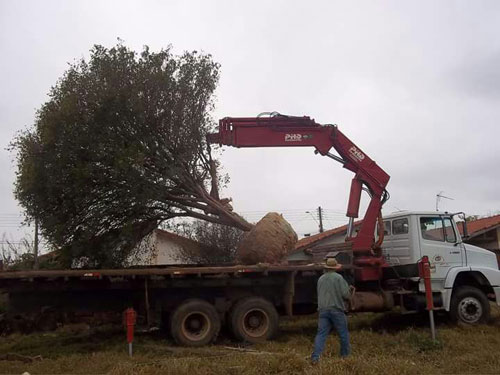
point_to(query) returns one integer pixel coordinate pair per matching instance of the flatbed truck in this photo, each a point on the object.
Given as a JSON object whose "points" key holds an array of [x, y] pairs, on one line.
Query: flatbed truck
{"points": [[194, 302]]}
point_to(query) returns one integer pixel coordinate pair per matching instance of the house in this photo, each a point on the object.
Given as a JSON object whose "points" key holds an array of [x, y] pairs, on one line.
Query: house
{"points": [[159, 248], [484, 233], [165, 248], [332, 236]]}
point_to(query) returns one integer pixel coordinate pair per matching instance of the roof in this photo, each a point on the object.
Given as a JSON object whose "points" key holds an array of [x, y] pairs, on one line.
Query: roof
{"points": [[185, 242], [479, 226], [48, 256], [309, 241]]}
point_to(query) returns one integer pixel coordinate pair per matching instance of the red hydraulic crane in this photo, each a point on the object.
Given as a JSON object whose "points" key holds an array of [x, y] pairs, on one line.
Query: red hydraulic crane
{"points": [[276, 130]]}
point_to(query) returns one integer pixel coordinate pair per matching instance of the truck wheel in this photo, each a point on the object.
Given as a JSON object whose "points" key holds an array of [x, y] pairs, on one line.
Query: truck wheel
{"points": [[469, 305], [253, 319], [195, 323]]}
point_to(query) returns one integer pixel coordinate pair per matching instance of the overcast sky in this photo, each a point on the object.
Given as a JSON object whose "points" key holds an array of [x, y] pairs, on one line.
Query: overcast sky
{"points": [[416, 85]]}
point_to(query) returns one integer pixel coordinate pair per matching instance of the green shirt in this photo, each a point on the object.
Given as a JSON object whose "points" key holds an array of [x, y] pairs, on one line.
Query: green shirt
{"points": [[332, 291]]}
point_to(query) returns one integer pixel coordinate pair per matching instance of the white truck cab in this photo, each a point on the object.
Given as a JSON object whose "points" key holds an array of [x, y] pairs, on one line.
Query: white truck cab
{"points": [[463, 276]]}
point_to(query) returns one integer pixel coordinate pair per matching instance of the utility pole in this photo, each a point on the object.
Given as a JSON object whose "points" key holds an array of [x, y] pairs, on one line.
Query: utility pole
{"points": [[35, 255], [320, 215]]}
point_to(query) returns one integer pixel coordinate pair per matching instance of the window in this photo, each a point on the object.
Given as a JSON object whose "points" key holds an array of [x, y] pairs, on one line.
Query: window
{"points": [[448, 230], [387, 228], [432, 228], [400, 226], [438, 229]]}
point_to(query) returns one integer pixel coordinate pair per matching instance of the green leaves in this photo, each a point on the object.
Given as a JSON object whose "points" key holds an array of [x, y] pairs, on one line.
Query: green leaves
{"points": [[118, 147]]}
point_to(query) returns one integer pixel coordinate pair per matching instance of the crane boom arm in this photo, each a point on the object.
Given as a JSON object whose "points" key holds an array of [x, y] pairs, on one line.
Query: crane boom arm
{"points": [[290, 131]]}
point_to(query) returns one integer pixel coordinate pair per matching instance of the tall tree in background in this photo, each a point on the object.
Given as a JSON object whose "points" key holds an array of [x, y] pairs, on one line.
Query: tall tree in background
{"points": [[120, 147]]}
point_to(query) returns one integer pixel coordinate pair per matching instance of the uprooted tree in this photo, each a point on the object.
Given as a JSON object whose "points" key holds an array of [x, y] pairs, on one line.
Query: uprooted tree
{"points": [[120, 147]]}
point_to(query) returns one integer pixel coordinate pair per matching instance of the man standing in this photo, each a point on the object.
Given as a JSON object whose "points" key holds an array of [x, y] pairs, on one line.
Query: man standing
{"points": [[333, 290]]}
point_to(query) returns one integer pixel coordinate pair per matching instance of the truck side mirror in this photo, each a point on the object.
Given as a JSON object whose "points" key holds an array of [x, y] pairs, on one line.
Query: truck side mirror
{"points": [[465, 232], [465, 235]]}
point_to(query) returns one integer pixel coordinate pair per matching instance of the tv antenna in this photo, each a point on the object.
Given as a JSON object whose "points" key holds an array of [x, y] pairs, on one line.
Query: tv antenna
{"points": [[438, 198]]}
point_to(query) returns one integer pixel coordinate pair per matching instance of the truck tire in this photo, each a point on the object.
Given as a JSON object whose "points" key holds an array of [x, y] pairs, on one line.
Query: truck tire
{"points": [[253, 320], [469, 305], [195, 323]]}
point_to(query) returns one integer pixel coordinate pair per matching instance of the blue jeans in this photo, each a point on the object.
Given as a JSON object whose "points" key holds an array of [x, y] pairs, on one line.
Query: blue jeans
{"points": [[329, 319]]}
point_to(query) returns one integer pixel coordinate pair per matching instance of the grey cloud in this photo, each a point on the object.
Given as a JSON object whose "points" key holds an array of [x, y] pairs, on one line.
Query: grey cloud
{"points": [[478, 75], [413, 84]]}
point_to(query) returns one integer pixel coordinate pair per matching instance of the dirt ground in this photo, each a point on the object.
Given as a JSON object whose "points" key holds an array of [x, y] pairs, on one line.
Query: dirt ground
{"points": [[382, 344]]}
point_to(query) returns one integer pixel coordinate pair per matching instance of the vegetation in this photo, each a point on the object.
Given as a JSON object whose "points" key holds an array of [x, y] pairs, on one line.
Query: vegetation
{"points": [[119, 147], [20, 255], [219, 242], [382, 344]]}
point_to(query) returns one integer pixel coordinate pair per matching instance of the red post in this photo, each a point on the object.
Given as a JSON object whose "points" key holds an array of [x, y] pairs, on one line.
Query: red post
{"points": [[129, 319], [424, 270]]}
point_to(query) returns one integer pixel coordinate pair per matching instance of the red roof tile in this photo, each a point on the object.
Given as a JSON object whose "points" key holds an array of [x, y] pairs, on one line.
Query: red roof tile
{"points": [[310, 241], [480, 225]]}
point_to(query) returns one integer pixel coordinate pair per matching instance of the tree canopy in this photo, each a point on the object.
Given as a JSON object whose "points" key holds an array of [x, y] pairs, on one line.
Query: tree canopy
{"points": [[120, 147]]}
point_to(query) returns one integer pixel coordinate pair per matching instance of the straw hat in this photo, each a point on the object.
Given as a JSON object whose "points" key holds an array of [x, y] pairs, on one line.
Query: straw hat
{"points": [[332, 264]]}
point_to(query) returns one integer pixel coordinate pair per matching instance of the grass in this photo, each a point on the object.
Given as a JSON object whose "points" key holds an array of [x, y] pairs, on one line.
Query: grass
{"points": [[382, 344]]}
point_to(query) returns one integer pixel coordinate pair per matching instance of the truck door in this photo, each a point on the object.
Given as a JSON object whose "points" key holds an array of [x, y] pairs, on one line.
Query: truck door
{"points": [[396, 248], [438, 241]]}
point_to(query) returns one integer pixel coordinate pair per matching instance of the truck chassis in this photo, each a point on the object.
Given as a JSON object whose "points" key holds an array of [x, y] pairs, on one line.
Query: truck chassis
{"points": [[192, 302]]}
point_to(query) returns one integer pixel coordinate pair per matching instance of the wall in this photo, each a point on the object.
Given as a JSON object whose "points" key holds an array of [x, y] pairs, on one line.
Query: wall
{"points": [[167, 252], [300, 256], [489, 240], [155, 251]]}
